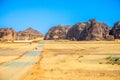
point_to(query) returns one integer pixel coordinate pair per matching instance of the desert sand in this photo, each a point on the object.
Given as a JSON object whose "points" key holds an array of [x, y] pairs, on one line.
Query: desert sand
{"points": [[12, 51], [71, 60], [17, 58], [60, 60]]}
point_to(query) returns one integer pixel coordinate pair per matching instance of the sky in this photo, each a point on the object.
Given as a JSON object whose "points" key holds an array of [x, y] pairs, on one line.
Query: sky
{"points": [[43, 14]]}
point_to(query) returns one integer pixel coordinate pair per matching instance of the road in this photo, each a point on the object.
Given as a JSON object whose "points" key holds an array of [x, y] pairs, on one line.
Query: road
{"points": [[15, 69]]}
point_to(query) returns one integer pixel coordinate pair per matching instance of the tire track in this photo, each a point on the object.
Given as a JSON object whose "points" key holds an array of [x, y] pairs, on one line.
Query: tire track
{"points": [[13, 70]]}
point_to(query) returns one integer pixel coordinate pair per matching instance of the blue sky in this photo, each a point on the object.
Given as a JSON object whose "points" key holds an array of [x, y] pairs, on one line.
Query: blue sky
{"points": [[43, 14]]}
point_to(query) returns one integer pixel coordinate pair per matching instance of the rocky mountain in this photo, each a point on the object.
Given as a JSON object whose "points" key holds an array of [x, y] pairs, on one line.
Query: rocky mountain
{"points": [[7, 34], [28, 34], [115, 31], [91, 30], [57, 32]]}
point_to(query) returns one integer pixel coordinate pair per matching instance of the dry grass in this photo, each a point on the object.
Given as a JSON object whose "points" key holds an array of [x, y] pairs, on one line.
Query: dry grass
{"points": [[71, 60]]}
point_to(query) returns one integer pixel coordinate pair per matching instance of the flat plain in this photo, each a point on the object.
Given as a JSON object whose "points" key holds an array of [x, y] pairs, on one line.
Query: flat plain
{"points": [[72, 60], [12, 51], [62, 60]]}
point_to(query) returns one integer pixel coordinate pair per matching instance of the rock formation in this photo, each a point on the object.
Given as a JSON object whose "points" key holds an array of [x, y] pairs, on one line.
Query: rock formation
{"points": [[91, 30], [28, 34], [115, 31], [57, 32], [7, 34]]}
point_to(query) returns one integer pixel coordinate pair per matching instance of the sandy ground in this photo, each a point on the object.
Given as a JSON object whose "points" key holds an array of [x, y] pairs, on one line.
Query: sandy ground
{"points": [[71, 60], [13, 51], [16, 61]]}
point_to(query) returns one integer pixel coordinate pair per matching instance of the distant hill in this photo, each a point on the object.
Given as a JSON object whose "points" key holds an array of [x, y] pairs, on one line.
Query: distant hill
{"points": [[57, 32], [115, 31], [90, 30], [7, 34], [28, 34]]}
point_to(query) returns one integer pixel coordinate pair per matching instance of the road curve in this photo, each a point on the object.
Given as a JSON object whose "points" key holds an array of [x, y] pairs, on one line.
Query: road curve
{"points": [[15, 69]]}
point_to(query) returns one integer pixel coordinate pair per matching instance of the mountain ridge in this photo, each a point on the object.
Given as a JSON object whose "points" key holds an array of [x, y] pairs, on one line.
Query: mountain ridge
{"points": [[90, 30]]}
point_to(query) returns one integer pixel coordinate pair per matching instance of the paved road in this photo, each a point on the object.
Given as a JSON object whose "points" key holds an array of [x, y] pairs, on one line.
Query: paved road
{"points": [[15, 69]]}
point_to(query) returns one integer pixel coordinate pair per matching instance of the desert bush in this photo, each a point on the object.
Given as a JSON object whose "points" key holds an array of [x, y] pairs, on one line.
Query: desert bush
{"points": [[80, 56], [110, 58], [100, 62]]}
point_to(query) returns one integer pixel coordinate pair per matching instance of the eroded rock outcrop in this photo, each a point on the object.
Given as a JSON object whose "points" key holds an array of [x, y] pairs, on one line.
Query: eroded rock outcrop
{"points": [[57, 32], [28, 34], [91, 30], [7, 34], [115, 31]]}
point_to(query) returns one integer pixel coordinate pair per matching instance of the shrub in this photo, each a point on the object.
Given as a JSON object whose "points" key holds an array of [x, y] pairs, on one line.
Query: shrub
{"points": [[113, 58]]}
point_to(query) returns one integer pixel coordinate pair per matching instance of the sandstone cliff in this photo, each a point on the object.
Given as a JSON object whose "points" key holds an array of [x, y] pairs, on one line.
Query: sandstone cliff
{"points": [[28, 34], [115, 31], [91, 30], [7, 34], [57, 32]]}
